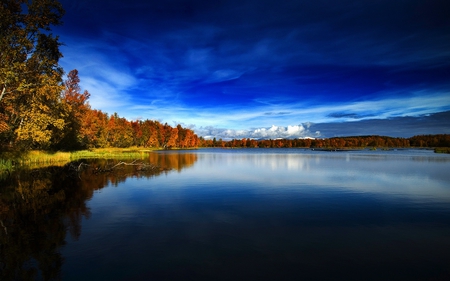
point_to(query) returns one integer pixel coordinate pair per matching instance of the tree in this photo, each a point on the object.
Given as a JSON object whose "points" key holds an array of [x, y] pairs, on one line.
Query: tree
{"points": [[93, 131], [30, 112], [75, 107], [120, 132], [41, 116]]}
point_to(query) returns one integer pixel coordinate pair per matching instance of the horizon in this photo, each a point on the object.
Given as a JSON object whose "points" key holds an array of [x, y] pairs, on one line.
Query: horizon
{"points": [[264, 69], [325, 138]]}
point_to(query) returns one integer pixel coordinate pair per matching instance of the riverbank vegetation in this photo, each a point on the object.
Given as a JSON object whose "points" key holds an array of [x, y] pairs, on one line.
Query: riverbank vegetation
{"points": [[442, 150], [41, 159]]}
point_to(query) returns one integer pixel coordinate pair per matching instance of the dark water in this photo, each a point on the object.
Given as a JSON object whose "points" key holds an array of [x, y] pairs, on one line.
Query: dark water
{"points": [[255, 214]]}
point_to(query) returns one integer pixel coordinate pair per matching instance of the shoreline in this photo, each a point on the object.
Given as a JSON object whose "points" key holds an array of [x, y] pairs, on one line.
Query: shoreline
{"points": [[38, 158]]}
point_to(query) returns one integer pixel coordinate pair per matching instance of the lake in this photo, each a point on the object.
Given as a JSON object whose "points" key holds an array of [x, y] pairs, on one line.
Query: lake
{"points": [[227, 214]]}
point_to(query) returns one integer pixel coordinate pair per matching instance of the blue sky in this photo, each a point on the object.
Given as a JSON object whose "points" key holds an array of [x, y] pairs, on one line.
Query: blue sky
{"points": [[266, 69]]}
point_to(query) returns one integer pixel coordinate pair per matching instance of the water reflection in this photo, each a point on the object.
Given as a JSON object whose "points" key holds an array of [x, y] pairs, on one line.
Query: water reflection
{"points": [[221, 215], [38, 207], [416, 176]]}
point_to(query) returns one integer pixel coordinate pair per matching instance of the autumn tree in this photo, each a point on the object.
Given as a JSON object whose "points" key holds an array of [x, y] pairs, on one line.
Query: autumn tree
{"points": [[75, 108], [120, 132], [94, 131], [30, 76], [168, 136], [149, 134], [137, 133]]}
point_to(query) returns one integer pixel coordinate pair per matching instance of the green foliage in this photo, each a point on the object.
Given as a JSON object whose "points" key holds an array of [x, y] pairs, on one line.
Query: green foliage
{"points": [[6, 167]]}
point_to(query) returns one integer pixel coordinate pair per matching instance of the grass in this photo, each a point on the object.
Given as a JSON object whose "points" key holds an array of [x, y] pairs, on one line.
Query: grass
{"points": [[442, 150], [6, 165], [40, 159], [131, 152]]}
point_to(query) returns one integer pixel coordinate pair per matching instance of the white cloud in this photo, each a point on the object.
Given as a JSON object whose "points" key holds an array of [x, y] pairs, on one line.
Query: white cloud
{"points": [[273, 132]]}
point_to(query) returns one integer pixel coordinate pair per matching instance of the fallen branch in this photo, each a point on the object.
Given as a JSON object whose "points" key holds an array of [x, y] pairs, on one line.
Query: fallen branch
{"points": [[141, 167], [4, 227]]}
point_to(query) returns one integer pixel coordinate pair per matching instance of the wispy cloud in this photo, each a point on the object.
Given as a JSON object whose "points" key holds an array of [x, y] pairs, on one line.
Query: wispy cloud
{"points": [[256, 68], [234, 121]]}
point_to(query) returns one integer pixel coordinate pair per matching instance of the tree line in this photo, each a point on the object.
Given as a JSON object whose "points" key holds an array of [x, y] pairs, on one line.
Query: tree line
{"points": [[85, 127], [441, 140], [38, 110], [91, 128]]}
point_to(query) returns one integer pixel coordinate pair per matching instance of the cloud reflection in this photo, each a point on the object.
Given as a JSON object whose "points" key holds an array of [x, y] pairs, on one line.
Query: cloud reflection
{"points": [[397, 174]]}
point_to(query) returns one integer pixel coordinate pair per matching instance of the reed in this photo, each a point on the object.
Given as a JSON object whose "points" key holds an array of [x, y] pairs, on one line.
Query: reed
{"points": [[132, 152], [39, 159], [6, 165]]}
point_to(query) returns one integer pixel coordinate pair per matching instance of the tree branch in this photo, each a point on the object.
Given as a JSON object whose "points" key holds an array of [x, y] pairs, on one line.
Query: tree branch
{"points": [[4, 227], [3, 92]]}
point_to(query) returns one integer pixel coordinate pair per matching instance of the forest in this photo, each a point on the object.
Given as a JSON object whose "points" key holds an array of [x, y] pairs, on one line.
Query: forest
{"points": [[351, 142], [41, 108]]}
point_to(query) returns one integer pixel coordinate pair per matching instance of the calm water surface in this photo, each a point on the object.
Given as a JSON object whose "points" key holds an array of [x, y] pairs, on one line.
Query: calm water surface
{"points": [[253, 214]]}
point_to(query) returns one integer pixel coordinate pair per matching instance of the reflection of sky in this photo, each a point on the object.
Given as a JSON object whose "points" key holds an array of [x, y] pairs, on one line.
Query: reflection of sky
{"points": [[412, 174], [418, 176], [318, 208]]}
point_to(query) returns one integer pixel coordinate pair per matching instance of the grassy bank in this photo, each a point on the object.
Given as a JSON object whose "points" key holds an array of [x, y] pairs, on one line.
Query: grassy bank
{"points": [[110, 153], [442, 150], [34, 159]]}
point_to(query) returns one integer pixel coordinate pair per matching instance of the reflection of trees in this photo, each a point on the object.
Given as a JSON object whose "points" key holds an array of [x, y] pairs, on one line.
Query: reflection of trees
{"points": [[32, 206], [37, 208], [175, 161]]}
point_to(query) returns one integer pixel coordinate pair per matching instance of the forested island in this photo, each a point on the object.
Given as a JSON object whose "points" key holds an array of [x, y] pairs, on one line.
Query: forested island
{"points": [[349, 142]]}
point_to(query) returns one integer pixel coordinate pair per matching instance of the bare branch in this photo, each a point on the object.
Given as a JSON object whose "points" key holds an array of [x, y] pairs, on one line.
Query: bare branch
{"points": [[3, 92]]}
